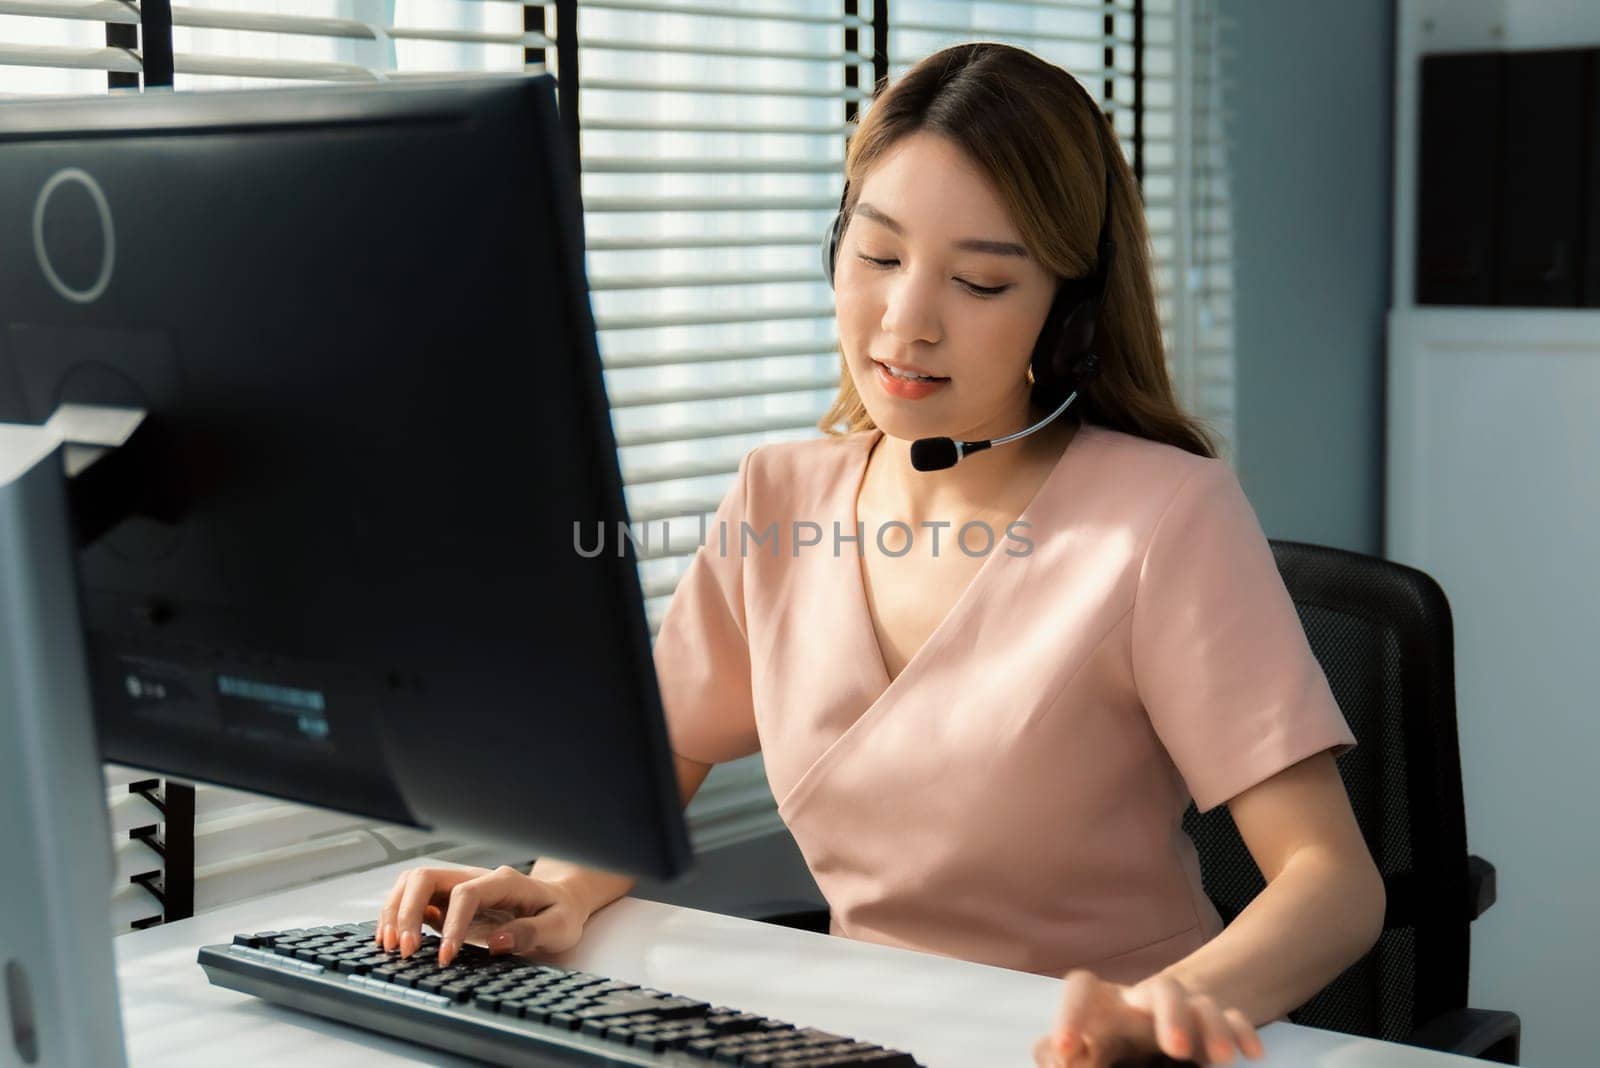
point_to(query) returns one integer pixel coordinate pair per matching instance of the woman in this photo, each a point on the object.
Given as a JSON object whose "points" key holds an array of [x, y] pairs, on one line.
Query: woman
{"points": [[984, 742]]}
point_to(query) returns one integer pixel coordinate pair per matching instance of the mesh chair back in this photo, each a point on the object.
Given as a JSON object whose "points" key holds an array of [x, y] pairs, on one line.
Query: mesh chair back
{"points": [[1382, 633]]}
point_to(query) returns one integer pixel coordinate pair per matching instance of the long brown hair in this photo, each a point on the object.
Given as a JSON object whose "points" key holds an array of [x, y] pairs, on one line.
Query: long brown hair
{"points": [[1032, 133]]}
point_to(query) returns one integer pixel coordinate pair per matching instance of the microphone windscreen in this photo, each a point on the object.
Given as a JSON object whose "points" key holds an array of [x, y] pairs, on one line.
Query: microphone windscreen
{"points": [[933, 454]]}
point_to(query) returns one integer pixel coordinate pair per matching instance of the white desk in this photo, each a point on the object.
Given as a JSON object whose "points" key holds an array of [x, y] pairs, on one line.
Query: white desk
{"points": [[950, 1013]]}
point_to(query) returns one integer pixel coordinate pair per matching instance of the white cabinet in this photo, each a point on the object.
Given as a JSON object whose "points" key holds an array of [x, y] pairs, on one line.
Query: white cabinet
{"points": [[1494, 490]]}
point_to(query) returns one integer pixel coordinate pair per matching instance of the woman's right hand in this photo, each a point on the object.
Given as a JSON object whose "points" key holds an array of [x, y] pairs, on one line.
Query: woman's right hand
{"points": [[510, 910]]}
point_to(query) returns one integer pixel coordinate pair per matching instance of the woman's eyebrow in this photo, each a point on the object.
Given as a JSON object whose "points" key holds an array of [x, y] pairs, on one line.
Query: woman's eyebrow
{"points": [[971, 244]]}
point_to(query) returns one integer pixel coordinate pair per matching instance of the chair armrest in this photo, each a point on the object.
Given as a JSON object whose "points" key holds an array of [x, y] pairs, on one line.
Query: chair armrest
{"points": [[1488, 1035], [1480, 886]]}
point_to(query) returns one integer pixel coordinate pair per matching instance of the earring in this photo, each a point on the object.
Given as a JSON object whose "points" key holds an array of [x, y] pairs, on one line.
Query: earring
{"points": [[1030, 374]]}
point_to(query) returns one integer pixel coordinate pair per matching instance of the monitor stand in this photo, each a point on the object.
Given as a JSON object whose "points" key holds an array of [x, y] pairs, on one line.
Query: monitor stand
{"points": [[58, 986]]}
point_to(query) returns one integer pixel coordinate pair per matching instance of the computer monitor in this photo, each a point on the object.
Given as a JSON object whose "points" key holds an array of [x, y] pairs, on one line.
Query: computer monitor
{"points": [[337, 561]]}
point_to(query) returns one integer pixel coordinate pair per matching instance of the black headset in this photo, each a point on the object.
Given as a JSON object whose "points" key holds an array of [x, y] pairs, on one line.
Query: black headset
{"points": [[1062, 353]]}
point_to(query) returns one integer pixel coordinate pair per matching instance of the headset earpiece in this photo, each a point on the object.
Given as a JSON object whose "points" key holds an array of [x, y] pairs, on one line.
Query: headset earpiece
{"points": [[1080, 321], [831, 238]]}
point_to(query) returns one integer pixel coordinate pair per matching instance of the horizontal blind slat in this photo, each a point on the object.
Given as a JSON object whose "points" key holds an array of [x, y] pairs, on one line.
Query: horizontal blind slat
{"points": [[714, 318], [772, 203], [686, 507], [745, 13], [706, 165], [450, 36], [729, 51], [674, 358], [112, 11], [640, 475], [1092, 7], [60, 57], [247, 67], [648, 398], [712, 428], [843, 93], [946, 29], [617, 283], [677, 241], [643, 125]]}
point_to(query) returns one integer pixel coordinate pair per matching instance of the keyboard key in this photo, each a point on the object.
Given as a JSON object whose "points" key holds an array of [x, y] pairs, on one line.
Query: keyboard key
{"points": [[677, 1008], [622, 1005], [674, 1039], [811, 1034], [768, 1050], [734, 1024], [612, 987]]}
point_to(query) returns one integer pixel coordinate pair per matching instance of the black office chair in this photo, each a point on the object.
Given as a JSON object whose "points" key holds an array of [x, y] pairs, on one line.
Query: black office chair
{"points": [[1383, 635]]}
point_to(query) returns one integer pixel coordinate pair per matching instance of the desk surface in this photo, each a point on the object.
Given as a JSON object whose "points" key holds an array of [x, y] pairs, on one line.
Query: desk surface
{"points": [[950, 1013]]}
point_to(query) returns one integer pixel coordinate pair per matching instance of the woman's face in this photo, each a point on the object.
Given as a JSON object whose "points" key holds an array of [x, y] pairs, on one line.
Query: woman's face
{"points": [[932, 275]]}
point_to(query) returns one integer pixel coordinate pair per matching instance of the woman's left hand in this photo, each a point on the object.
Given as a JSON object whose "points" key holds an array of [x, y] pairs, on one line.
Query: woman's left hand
{"points": [[1102, 1022]]}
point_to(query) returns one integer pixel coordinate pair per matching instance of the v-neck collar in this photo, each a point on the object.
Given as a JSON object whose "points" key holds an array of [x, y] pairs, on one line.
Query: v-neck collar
{"points": [[952, 621]]}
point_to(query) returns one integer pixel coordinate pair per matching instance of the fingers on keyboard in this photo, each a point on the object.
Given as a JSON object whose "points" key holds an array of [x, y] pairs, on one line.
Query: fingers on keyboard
{"points": [[384, 933], [502, 891], [423, 887]]}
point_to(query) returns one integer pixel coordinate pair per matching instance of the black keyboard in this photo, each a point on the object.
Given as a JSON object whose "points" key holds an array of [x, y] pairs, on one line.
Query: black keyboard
{"points": [[514, 1011]]}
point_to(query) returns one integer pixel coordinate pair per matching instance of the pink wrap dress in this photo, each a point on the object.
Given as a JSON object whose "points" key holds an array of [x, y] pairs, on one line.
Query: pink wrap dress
{"points": [[1014, 796]]}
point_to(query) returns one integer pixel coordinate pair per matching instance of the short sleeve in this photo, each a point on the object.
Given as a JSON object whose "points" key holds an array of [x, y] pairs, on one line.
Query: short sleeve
{"points": [[1220, 658], [702, 649]]}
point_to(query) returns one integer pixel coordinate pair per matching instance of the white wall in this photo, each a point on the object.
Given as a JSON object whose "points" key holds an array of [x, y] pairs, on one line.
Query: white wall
{"points": [[1309, 96], [1493, 488]]}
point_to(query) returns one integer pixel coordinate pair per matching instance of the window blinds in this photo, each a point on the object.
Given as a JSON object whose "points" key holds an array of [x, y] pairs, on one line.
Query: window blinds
{"points": [[1195, 255], [61, 46], [712, 141]]}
